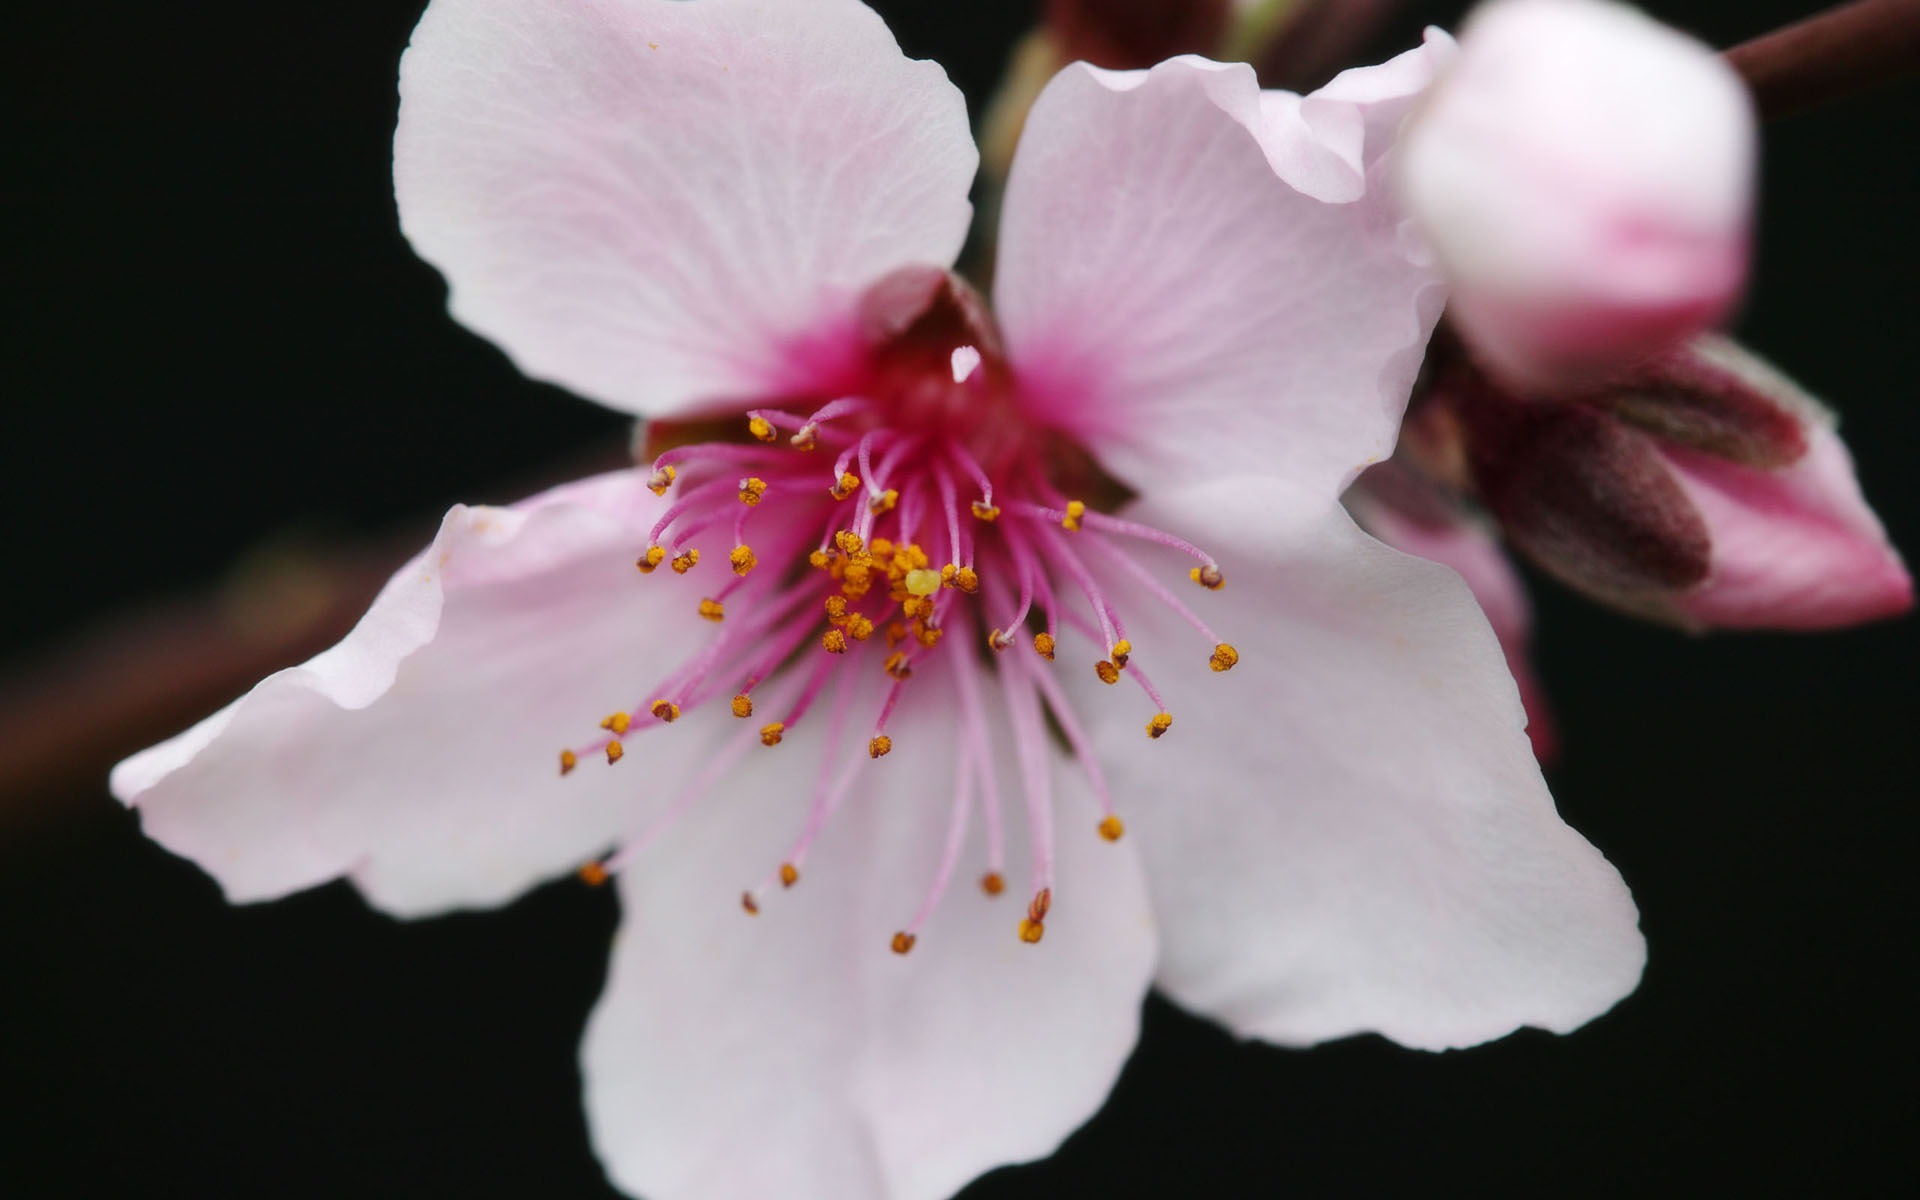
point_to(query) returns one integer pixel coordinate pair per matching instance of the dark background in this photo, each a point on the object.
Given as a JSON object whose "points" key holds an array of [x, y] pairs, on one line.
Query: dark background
{"points": [[217, 341]]}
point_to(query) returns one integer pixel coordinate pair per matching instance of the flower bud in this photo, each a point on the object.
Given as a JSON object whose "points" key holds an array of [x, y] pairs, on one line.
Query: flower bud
{"points": [[1584, 175], [1703, 488]]}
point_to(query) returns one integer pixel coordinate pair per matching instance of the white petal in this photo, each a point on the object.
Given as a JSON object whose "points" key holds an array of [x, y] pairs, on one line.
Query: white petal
{"points": [[1348, 832], [792, 1054], [420, 755], [1176, 306], [1325, 143], [665, 205]]}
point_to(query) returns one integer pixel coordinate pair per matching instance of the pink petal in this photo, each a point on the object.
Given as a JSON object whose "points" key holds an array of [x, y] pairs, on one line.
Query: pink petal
{"points": [[1585, 176], [1792, 548], [666, 206], [1324, 144], [1182, 311], [1455, 538], [1348, 832], [419, 756], [792, 1054]]}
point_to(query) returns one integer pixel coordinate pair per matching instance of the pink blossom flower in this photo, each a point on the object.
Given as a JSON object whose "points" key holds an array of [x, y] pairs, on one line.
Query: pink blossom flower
{"points": [[1585, 176], [745, 209]]}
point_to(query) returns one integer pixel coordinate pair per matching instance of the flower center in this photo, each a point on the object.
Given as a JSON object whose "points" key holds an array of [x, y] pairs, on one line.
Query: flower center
{"points": [[873, 530]]}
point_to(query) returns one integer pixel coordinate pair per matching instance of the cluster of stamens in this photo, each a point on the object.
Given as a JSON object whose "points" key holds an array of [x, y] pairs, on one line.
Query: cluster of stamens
{"points": [[873, 539]]}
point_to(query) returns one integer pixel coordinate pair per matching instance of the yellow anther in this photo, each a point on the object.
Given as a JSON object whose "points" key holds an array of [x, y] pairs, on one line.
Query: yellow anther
{"points": [[922, 582], [997, 639], [789, 874], [752, 488], [1122, 650], [1040, 905], [833, 642], [750, 904], [928, 635], [660, 481], [617, 723], [770, 734], [806, 439], [1160, 724], [837, 609], [1043, 642], [650, 560], [665, 710], [903, 942], [568, 761], [897, 665], [880, 746], [849, 542], [1224, 657], [684, 561], [1031, 931], [845, 486], [859, 627], [896, 633], [592, 874], [881, 548], [986, 512], [615, 752], [1071, 521], [743, 559], [916, 557], [1208, 577], [884, 502], [819, 560], [1108, 673], [967, 580], [992, 883], [713, 610], [1111, 828], [761, 429], [743, 706]]}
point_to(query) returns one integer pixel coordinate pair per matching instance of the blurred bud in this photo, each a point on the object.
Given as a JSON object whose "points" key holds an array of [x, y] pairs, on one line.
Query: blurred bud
{"points": [[1584, 175], [1132, 34], [1410, 513], [1702, 488]]}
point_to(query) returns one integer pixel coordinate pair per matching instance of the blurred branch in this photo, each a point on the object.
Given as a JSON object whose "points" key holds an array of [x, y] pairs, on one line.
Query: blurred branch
{"points": [[1308, 42], [1830, 55], [77, 708]]}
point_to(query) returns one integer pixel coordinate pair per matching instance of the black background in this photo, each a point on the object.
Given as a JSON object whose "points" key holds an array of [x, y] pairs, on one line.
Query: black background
{"points": [[216, 336]]}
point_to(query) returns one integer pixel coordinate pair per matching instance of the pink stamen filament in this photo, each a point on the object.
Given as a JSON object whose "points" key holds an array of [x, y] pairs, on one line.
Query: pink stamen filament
{"points": [[950, 852], [826, 796], [978, 748], [972, 467], [695, 497], [956, 554], [1024, 713], [700, 785], [1145, 578], [1070, 726]]}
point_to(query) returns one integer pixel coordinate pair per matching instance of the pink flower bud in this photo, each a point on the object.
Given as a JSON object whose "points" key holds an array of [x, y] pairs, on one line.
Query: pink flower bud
{"points": [[1703, 488], [1795, 545], [1585, 177]]}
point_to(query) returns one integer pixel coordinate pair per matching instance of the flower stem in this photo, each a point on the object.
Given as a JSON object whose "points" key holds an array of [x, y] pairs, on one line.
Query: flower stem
{"points": [[1830, 55]]}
